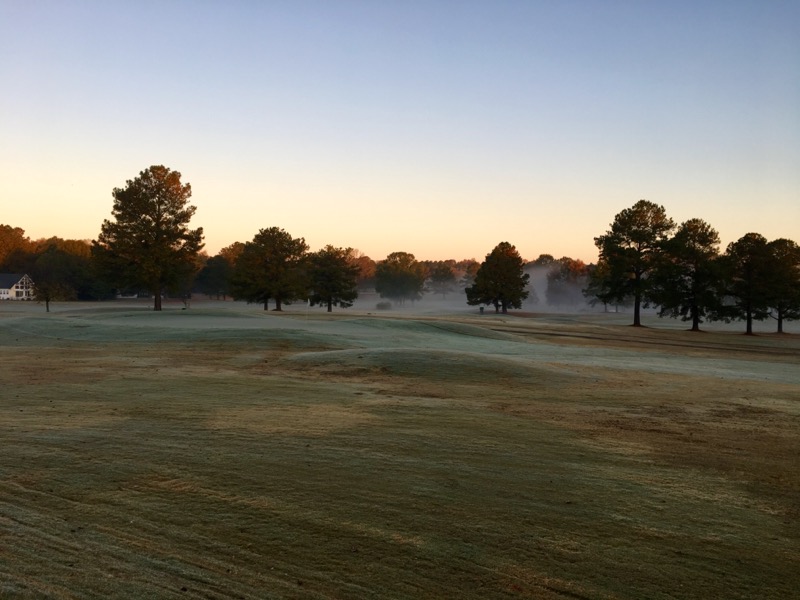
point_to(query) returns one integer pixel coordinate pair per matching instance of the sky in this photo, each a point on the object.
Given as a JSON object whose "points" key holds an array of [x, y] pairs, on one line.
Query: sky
{"points": [[440, 128]]}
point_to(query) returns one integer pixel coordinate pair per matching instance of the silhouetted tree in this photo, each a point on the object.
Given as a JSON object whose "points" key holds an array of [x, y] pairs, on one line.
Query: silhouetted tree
{"points": [[687, 281], [629, 251], [747, 263], [500, 280], [784, 287], [600, 288], [55, 274], [333, 277], [271, 267], [149, 244], [400, 277]]}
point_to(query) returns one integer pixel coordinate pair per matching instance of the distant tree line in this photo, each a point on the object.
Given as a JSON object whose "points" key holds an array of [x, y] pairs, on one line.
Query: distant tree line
{"points": [[61, 269], [645, 260]]}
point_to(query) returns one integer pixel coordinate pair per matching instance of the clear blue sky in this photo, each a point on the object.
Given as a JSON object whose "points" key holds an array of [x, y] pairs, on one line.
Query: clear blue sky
{"points": [[437, 128]]}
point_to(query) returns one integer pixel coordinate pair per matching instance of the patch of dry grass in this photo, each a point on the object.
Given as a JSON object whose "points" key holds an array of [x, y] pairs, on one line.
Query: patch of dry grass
{"points": [[224, 454]]}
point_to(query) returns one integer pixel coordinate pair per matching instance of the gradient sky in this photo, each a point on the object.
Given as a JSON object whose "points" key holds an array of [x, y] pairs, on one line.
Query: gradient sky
{"points": [[439, 128]]}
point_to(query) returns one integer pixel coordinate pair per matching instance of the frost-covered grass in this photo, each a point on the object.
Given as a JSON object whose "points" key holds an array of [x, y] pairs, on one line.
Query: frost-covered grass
{"points": [[228, 452]]}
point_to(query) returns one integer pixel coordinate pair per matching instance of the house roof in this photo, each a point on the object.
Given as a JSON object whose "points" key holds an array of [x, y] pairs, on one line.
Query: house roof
{"points": [[8, 280]]}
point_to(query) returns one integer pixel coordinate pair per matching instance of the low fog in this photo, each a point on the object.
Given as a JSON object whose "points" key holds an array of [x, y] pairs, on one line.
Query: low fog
{"points": [[576, 303], [455, 301]]}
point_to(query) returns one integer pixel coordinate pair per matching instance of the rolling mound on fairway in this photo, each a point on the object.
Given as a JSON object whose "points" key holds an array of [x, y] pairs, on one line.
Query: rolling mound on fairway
{"points": [[394, 327], [442, 366]]}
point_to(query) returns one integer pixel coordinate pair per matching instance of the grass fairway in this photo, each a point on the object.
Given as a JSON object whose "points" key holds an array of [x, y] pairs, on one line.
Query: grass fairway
{"points": [[224, 452]]}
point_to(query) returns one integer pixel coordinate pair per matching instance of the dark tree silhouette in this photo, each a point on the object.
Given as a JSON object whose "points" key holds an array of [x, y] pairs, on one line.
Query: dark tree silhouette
{"points": [[333, 277], [747, 263], [629, 251], [271, 267], [784, 287], [55, 275], [687, 282], [149, 244], [500, 280]]}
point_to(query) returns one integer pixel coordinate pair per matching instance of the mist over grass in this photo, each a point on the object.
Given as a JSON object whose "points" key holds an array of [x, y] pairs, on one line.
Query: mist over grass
{"points": [[454, 304]]}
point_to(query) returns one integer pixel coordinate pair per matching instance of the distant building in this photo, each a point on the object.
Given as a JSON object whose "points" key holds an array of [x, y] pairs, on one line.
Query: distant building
{"points": [[15, 287]]}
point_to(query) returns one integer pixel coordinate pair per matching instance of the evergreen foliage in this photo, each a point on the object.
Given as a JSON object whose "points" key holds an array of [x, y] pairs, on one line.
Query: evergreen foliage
{"points": [[784, 293], [687, 281], [271, 267], [500, 280], [333, 277], [629, 251], [148, 243], [749, 276]]}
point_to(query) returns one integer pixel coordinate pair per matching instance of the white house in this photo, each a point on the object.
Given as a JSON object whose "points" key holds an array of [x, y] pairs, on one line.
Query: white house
{"points": [[15, 287]]}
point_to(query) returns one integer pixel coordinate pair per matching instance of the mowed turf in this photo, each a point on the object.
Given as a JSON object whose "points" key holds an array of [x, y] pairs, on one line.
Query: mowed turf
{"points": [[231, 453]]}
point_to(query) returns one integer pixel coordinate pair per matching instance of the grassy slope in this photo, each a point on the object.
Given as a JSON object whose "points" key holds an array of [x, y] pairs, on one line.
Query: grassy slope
{"points": [[219, 454]]}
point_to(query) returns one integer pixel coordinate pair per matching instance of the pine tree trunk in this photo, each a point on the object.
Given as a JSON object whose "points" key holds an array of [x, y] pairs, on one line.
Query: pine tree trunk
{"points": [[330, 305], [157, 301], [637, 299], [278, 304], [695, 318]]}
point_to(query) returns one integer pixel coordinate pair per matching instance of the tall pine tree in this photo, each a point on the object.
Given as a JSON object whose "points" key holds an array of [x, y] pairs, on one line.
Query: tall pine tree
{"points": [[148, 244]]}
